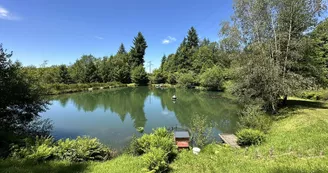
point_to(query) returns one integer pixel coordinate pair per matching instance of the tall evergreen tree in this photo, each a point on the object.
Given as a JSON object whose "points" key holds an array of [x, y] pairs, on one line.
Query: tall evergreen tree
{"points": [[64, 76], [121, 50], [138, 51], [192, 38], [91, 73], [163, 62]]}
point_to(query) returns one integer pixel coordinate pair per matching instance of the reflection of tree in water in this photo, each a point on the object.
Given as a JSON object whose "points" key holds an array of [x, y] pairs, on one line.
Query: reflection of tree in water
{"points": [[121, 101], [63, 101], [219, 110], [130, 101]]}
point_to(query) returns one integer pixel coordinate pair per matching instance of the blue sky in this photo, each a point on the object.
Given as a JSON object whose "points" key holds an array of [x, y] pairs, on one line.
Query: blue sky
{"points": [[61, 31]]}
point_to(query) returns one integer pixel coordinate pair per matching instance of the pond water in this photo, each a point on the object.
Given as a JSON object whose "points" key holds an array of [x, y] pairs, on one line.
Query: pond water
{"points": [[113, 115]]}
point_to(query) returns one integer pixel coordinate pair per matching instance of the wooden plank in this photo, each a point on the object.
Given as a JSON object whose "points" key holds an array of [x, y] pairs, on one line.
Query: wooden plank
{"points": [[230, 139]]}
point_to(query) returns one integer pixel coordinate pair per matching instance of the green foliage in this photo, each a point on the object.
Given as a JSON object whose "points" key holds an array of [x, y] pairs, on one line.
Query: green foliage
{"points": [[139, 76], [253, 117], [160, 138], [64, 76], [138, 51], [201, 130], [82, 149], [247, 137], [21, 100], [186, 80], [192, 38], [277, 59], [121, 50], [212, 78], [40, 149], [156, 160], [172, 78], [75, 150], [158, 77]]}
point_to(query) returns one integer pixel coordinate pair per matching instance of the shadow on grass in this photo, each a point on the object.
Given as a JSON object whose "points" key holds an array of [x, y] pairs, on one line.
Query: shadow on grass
{"points": [[294, 105], [306, 104], [15, 166]]}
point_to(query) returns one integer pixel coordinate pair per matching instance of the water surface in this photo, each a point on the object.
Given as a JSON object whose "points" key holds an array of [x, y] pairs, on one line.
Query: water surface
{"points": [[113, 115]]}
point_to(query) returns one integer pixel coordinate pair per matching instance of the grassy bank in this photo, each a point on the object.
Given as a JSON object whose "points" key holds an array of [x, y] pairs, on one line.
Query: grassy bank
{"points": [[314, 94], [297, 142], [53, 89]]}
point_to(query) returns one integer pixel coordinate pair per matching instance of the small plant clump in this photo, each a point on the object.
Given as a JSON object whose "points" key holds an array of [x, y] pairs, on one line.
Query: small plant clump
{"points": [[247, 137], [157, 149], [75, 150]]}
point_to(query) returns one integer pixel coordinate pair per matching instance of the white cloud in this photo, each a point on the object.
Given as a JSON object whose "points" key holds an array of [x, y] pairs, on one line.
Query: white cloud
{"points": [[169, 40], [6, 15], [166, 41], [99, 38]]}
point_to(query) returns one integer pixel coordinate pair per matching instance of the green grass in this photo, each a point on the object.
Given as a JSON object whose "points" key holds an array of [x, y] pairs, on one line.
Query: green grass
{"points": [[124, 163], [296, 142], [321, 94]]}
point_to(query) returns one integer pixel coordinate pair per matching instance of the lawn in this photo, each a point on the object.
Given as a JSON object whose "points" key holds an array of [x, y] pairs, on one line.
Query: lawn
{"points": [[296, 142]]}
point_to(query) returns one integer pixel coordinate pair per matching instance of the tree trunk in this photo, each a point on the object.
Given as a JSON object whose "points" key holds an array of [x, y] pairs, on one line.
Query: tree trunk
{"points": [[284, 101]]}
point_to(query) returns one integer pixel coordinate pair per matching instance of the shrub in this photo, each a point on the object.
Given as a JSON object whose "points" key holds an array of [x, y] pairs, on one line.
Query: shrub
{"points": [[160, 138], [172, 78], [158, 77], [247, 137], [82, 149], [253, 118], [212, 78], [139, 75], [186, 80], [40, 149], [156, 160]]}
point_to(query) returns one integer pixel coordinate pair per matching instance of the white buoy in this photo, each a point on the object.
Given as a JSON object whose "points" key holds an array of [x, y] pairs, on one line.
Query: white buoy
{"points": [[196, 150]]}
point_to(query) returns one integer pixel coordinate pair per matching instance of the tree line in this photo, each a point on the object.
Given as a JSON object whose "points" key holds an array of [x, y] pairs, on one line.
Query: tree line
{"points": [[124, 67]]}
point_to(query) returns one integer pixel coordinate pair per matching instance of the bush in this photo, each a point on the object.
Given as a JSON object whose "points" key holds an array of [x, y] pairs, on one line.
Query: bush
{"points": [[253, 118], [247, 137], [212, 78], [172, 78], [156, 160], [139, 76], [186, 80], [160, 138], [82, 149], [77, 150], [40, 149], [158, 77]]}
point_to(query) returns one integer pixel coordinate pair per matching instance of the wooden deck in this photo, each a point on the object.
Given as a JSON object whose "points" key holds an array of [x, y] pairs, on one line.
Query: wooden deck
{"points": [[230, 139]]}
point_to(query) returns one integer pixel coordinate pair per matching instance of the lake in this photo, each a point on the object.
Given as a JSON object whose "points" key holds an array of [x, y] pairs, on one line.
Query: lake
{"points": [[113, 115]]}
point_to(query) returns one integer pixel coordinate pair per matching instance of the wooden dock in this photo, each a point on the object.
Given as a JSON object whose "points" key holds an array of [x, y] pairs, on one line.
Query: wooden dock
{"points": [[230, 139]]}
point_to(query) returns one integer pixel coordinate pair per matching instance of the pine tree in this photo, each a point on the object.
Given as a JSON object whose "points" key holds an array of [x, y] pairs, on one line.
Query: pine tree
{"points": [[138, 51], [91, 73], [163, 62], [192, 38], [121, 50], [64, 76]]}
